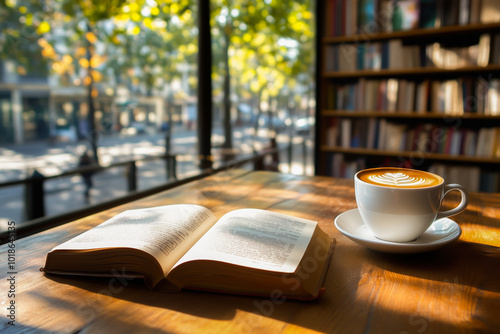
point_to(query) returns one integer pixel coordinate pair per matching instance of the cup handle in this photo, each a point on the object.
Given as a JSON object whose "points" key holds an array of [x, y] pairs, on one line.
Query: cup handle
{"points": [[461, 207]]}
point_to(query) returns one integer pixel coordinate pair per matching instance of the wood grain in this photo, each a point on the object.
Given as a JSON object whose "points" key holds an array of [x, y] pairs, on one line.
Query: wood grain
{"points": [[414, 33], [361, 151], [413, 72], [453, 289]]}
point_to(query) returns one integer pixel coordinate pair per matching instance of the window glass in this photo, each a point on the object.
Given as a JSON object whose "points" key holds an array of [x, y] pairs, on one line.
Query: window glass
{"points": [[263, 76], [119, 79]]}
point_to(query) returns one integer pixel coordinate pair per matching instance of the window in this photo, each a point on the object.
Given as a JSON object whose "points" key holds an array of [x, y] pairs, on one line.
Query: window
{"points": [[121, 79]]}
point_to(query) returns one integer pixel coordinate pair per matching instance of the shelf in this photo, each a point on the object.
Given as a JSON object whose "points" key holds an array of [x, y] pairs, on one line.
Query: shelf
{"points": [[411, 154], [385, 114], [414, 34], [413, 72], [446, 87]]}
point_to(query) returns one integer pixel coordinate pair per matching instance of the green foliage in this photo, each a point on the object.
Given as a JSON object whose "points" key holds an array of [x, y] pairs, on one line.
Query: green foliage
{"points": [[18, 36], [271, 42], [94, 10], [145, 42]]}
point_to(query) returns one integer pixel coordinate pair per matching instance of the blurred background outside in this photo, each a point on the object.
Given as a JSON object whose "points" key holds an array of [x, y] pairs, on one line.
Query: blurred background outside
{"points": [[119, 78]]}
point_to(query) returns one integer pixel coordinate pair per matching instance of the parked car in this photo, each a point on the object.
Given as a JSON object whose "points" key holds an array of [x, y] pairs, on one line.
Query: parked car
{"points": [[65, 134], [277, 124], [304, 125], [246, 113]]}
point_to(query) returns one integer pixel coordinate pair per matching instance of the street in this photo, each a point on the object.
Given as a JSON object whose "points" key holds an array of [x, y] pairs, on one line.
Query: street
{"points": [[66, 193]]}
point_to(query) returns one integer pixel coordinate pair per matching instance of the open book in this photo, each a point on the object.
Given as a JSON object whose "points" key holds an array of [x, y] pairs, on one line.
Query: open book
{"points": [[184, 246]]}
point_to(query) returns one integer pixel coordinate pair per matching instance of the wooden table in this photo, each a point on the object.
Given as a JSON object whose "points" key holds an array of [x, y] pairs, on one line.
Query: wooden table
{"points": [[451, 290]]}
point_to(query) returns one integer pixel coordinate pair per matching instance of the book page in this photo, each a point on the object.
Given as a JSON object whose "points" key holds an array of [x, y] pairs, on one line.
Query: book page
{"points": [[166, 232], [255, 238]]}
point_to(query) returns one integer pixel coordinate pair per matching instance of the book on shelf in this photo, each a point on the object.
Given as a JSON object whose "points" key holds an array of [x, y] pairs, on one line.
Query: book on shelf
{"points": [[406, 15], [184, 246], [483, 51], [494, 56], [371, 133], [381, 134], [332, 133], [343, 168], [472, 178], [448, 97], [489, 182], [488, 142], [393, 54], [464, 12], [475, 12], [362, 17], [394, 137], [470, 143], [422, 97], [381, 90], [492, 106], [366, 16], [427, 14], [347, 57], [346, 126], [496, 143], [351, 14], [392, 95], [489, 11]]}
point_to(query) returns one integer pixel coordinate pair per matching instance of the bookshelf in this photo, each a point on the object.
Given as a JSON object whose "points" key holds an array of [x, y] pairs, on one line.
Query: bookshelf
{"points": [[425, 96], [409, 154], [429, 115], [418, 34], [412, 72]]}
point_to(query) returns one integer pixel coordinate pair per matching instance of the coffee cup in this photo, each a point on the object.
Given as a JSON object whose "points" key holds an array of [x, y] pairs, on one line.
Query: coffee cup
{"points": [[399, 204]]}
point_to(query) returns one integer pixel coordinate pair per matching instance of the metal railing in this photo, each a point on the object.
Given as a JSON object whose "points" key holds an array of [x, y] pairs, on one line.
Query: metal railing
{"points": [[34, 193], [34, 190]]}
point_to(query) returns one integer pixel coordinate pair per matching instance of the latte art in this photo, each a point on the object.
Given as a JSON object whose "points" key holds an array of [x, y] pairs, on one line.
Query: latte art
{"points": [[399, 179], [394, 177]]}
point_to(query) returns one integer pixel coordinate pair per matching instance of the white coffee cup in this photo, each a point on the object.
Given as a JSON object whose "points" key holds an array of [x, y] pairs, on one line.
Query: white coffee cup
{"points": [[399, 204]]}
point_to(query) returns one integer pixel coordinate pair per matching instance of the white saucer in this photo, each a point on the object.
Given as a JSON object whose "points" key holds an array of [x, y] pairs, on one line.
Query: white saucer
{"points": [[441, 233]]}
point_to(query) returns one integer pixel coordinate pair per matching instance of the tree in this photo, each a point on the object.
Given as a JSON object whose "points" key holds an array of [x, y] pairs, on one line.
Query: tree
{"points": [[88, 42], [19, 32], [152, 45], [259, 49], [85, 16], [264, 45]]}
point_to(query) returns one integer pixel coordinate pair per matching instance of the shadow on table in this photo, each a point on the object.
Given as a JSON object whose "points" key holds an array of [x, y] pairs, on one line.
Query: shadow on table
{"points": [[457, 263], [349, 294]]}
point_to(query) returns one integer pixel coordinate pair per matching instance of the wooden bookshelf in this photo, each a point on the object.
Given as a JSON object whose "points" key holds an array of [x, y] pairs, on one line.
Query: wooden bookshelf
{"points": [[414, 72], [410, 154], [477, 120], [401, 114], [415, 33]]}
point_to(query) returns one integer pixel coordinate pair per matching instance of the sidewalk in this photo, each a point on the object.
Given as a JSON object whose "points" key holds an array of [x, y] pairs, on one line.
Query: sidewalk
{"points": [[67, 193], [18, 161]]}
